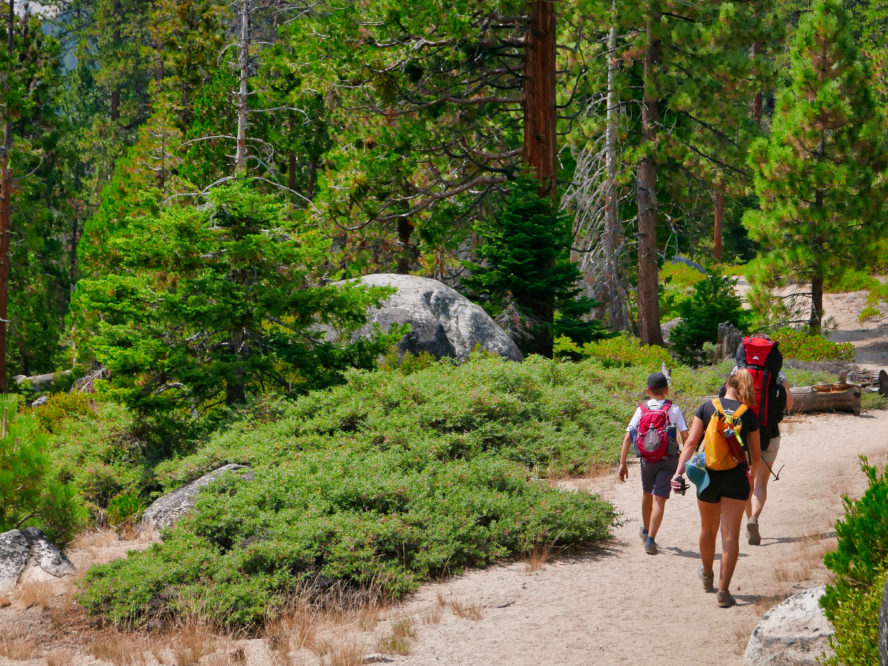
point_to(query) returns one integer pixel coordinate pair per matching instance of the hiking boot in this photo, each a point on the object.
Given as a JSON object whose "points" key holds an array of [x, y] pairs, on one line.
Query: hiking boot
{"points": [[708, 581], [752, 530], [725, 600], [643, 533], [650, 546]]}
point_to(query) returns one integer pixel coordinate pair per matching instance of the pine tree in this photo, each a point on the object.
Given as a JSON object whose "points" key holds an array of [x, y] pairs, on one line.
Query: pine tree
{"points": [[819, 176]]}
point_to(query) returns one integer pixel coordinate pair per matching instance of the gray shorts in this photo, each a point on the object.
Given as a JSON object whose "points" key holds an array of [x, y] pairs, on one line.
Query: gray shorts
{"points": [[770, 455], [656, 477]]}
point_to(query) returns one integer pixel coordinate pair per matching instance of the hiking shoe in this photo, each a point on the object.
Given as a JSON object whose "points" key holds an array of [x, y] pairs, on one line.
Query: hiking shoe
{"points": [[725, 600], [650, 546], [708, 581], [752, 530], [643, 533]]}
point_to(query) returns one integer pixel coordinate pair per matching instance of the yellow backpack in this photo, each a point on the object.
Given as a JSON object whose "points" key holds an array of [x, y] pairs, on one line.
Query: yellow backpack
{"points": [[723, 444]]}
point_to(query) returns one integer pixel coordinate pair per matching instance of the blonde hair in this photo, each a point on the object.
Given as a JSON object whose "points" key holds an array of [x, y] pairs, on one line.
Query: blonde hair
{"points": [[741, 382]]}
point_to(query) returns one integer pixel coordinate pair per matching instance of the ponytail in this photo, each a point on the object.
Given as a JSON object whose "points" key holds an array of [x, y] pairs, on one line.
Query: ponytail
{"points": [[742, 383]]}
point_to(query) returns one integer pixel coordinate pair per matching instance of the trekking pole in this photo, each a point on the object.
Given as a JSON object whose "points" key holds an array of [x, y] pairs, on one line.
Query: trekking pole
{"points": [[771, 469]]}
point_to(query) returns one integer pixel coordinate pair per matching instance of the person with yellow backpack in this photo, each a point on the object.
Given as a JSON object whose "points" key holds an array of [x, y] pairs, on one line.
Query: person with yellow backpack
{"points": [[728, 429]]}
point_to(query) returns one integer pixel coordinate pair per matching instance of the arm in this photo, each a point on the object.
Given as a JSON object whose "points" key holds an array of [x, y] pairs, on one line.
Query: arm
{"points": [[755, 452], [790, 401], [691, 440], [624, 453]]}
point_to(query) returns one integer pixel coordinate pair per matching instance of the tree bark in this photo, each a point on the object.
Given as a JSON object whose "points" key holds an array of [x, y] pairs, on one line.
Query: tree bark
{"points": [[648, 306], [5, 210], [240, 159], [539, 96], [614, 295], [405, 229], [718, 201], [806, 399]]}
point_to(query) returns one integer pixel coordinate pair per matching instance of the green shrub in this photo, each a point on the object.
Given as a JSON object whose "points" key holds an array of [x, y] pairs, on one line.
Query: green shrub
{"points": [[123, 509], [803, 346], [29, 495], [620, 351], [873, 401], [869, 312], [712, 303], [859, 565], [851, 280], [62, 406], [676, 283]]}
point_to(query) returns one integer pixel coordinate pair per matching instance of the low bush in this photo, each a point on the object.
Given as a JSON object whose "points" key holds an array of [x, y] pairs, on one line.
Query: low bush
{"points": [[859, 565], [617, 352], [30, 496], [803, 346], [851, 280]]}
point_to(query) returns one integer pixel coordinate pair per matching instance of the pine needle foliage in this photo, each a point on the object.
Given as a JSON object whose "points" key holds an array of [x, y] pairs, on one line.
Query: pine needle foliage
{"points": [[820, 175]]}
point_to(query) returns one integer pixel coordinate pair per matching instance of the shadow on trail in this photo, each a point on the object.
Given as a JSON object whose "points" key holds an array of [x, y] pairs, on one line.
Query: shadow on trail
{"points": [[771, 541]]}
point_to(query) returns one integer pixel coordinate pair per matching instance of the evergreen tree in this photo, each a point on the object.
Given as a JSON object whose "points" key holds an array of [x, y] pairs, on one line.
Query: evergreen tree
{"points": [[213, 303], [524, 261], [819, 176]]}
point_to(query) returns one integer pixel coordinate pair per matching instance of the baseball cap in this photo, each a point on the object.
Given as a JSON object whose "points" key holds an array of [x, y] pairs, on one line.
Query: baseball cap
{"points": [[657, 380]]}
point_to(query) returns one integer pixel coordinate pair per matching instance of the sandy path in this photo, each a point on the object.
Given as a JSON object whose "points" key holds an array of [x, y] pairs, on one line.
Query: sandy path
{"points": [[622, 606]]}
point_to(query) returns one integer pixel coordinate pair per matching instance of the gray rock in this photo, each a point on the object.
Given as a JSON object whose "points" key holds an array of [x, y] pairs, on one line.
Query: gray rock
{"points": [[666, 327], [28, 552], [442, 321], [793, 632], [883, 628], [678, 259], [166, 511]]}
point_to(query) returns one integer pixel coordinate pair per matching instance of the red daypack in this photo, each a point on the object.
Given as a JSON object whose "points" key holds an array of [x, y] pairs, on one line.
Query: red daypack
{"points": [[763, 360], [653, 432]]}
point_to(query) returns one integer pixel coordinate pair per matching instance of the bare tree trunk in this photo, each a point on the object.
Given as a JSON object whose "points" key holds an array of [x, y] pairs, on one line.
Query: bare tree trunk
{"points": [[115, 92], [616, 307], [540, 138], [718, 201], [405, 229], [648, 306], [5, 210], [539, 96], [240, 159]]}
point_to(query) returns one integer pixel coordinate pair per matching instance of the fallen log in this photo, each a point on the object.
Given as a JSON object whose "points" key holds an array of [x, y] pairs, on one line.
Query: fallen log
{"points": [[826, 398]]}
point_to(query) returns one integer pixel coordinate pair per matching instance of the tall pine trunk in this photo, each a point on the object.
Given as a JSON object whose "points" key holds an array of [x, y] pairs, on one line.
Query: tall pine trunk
{"points": [[240, 158], [540, 139], [5, 210], [648, 307], [718, 205], [613, 294]]}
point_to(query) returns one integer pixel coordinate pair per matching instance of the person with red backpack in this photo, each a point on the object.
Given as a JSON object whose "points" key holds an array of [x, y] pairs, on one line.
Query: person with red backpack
{"points": [[761, 356], [653, 429]]}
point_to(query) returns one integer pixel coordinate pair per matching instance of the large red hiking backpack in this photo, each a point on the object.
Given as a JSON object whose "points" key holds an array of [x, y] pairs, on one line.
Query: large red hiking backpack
{"points": [[763, 359], [652, 438]]}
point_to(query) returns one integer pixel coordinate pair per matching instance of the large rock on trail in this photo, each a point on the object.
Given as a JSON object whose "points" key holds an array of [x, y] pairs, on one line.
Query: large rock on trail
{"points": [[166, 511], [29, 554], [442, 321], [795, 631]]}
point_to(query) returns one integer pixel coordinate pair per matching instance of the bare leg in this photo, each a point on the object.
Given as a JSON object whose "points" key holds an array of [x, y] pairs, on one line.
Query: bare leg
{"points": [[759, 492], [710, 516], [656, 515], [647, 502], [731, 517]]}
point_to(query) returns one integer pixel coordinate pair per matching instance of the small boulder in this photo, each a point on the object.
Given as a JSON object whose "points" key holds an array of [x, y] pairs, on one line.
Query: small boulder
{"points": [[166, 511], [442, 321], [28, 553], [795, 631]]}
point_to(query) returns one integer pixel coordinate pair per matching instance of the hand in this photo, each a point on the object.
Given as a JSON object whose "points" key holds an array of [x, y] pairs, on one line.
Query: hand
{"points": [[676, 483], [624, 472]]}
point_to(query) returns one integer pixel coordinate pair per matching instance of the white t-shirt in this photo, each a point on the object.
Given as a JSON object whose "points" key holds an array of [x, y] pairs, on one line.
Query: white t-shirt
{"points": [[676, 418]]}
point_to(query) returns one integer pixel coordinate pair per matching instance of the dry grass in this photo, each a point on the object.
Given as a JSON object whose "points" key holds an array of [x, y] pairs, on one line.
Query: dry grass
{"points": [[290, 633], [368, 618], [17, 646], [59, 658], [469, 612], [432, 615], [398, 641], [191, 643], [536, 558], [120, 649], [340, 652], [36, 593], [235, 657]]}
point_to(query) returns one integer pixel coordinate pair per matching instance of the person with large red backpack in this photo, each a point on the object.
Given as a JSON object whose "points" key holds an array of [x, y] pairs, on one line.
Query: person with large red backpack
{"points": [[762, 357], [653, 430]]}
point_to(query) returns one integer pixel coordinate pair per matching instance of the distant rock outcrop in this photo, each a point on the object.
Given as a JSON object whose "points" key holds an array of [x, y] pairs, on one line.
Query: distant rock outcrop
{"points": [[793, 632], [28, 553], [443, 322], [166, 511]]}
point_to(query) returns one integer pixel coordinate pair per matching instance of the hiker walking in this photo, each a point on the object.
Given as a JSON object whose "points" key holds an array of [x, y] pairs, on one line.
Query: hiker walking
{"points": [[761, 356], [653, 429], [729, 431]]}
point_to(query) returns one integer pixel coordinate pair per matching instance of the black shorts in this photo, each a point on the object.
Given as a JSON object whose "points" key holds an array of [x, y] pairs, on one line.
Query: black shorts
{"points": [[729, 483]]}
